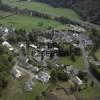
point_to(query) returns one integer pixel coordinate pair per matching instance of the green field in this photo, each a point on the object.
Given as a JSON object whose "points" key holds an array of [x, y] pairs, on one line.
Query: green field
{"points": [[28, 23], [98, 54], [77, 64], [91, 93], [15, 90], [41, 7], [4, 14]]}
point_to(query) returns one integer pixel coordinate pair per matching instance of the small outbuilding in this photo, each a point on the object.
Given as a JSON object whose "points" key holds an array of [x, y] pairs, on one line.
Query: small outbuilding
{"points": [[16, 73], [28, 86], [42, 76], [78, 81]]}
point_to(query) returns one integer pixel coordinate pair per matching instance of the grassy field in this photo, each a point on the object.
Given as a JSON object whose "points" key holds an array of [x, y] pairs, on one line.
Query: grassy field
{"points": [[77, 64], [91, 93], [98, 54], [4, 14], [15, 90], [28, 23], [44, 8]]}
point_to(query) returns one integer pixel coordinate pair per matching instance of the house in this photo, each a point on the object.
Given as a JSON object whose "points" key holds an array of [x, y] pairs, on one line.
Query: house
{"points": [[28, 85], [16, 73], [26, 66], [42, 76], [88, 42], [76, 45], [55, 49], [6, 30], [44, 40], [34, 69], [68, 69], [77, 28], [33, 46], [77, 81], [22, 45], [67, 39], [6, 44], [57, 65], [97, 63], [23, 62]]}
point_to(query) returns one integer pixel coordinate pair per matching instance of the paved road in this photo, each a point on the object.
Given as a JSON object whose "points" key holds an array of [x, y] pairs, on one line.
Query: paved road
{"points": [[26, 71], [86, 62]]}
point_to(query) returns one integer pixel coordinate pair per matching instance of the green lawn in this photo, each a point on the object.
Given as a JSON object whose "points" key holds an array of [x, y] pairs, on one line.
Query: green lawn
{"points": [[91, 93], [4, 14], [69, 13], [77, 64], [98, 54], [15, 90], [28, 23]]}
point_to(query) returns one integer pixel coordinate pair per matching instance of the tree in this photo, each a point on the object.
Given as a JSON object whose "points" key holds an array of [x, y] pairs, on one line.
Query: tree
{"points": [[44, 93], [40, 24], [53, 75], [82, 75], [23, 51], [32, 37], [92, 83], [51, 55], [72, 57], [0, 2], [62, 76], [42, 56], [37, 98]]}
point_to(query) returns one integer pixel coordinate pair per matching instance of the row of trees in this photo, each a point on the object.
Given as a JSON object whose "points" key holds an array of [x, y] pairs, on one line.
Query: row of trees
{"points": [[59, 74], [88, 9], [95, 70], [0, 2], [18, 36], [6, 62], [95, 36], [29, 12], [24, 11]]}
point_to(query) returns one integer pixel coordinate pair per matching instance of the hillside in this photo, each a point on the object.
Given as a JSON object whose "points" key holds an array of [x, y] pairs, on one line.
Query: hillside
{"points": [[88, 9]]}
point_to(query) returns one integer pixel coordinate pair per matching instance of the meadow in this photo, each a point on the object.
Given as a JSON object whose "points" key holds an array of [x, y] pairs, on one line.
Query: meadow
{"points": [[91, 93], [4, 14], [44, 8], [29, 23], [15, 90], [98, 54], [78, 64]]}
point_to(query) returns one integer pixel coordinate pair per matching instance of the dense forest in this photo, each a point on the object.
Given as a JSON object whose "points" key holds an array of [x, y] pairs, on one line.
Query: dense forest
{"points": [[88, 9], [5, 66]]}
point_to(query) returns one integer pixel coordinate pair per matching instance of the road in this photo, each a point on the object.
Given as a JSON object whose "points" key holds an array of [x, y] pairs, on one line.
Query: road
{"points": [[26, 71], [86, 61]]}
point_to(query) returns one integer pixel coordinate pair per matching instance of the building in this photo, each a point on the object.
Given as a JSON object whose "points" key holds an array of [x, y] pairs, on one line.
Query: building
{"points": [[6, 30], [77, 81], [6, 44], [88, 42], [42, 76], [34, 69], [77, 28], [33, 46], [28, 85], [68, 69], [22, 45], [16, 73]]}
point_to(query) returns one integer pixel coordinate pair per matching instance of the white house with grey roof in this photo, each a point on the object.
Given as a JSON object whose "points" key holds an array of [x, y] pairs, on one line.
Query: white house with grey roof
{"points": [[8, 45], [16, 73], [42, 76]]}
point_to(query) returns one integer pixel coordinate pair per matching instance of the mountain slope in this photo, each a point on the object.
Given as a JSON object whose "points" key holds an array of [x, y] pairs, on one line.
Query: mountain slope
{"points": [[88, 9]]}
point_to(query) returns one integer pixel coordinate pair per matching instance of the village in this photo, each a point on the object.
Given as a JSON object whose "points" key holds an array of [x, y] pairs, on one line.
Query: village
{"points": [[40, 59]]}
